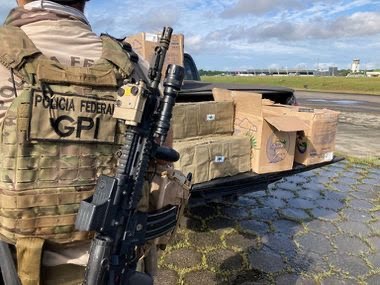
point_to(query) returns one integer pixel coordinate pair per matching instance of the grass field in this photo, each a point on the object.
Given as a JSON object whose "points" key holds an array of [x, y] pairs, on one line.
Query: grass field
{"points": [[358, 85]]}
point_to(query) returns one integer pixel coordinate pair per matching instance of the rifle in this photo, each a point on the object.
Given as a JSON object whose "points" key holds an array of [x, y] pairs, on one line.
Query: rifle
{"points": [[112, 211]]}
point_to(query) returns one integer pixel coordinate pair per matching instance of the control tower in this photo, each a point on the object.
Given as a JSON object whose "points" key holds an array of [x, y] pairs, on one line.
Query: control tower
{"points": [[355, 66]]}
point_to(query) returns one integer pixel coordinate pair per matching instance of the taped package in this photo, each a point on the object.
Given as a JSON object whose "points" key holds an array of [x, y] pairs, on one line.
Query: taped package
{"points": [[214, 157], [200, 119]]}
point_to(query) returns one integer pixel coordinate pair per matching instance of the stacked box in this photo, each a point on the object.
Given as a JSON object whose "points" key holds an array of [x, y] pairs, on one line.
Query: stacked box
{"points": [[272, 134], [214, 157], [144, 44], [197, 120]]}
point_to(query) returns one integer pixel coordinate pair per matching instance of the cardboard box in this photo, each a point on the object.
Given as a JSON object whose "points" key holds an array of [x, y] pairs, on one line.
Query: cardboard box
{"points": [[272, 135], [317, 143], [192, 120], [145, 43], [213, 157]]}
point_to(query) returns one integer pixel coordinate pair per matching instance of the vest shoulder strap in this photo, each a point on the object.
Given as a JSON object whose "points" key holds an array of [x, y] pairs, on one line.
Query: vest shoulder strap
{"points": [[114, 53], [18, 52]]}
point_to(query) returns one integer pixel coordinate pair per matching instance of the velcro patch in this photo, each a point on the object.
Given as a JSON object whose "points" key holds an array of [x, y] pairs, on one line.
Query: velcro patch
{"points": [[71, 118]]}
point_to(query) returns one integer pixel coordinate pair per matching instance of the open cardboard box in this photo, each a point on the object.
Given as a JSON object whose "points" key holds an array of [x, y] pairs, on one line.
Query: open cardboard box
{"points": [[272, 136], [315, 144]]}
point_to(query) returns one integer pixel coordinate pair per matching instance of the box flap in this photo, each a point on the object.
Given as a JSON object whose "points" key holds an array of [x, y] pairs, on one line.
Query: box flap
{"points": [[221, 95], [287, 123], [247, 102]]}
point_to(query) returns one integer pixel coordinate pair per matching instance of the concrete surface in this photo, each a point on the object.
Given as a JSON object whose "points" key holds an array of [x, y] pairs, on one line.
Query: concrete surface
{"points": [[320, 227]]}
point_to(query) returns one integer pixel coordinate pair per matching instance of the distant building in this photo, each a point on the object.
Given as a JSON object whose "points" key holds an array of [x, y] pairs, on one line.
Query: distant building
{"points": [[355, 66], [333, 71], [373, 73]]}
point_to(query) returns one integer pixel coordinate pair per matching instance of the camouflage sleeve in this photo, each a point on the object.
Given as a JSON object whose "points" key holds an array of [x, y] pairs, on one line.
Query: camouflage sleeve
{"points": [[7, 92]]}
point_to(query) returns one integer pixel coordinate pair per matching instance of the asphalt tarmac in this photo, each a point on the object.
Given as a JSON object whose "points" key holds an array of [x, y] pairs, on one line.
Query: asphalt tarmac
{"points": [[340, 102], [358, 131]]}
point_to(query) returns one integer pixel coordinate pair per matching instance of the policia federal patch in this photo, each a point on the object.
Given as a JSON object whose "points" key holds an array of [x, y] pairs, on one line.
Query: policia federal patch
{"points": [[69, 117]]}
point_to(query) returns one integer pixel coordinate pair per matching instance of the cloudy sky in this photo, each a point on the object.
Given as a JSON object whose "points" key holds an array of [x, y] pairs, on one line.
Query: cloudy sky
{"points": [[243, 34]]}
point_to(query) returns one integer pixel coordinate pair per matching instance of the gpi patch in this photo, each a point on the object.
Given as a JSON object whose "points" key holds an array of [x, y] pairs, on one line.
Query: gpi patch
{"points": [[72, 118]]}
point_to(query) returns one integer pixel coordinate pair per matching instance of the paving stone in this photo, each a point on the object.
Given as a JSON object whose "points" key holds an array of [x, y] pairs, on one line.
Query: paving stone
{"points": [[360, 204], [179, 238], [282, 194], [264, 214], [330, 204], [334, 280], [192, 223], [243, 241], [266, 261], [306, 281], [201, 278], [347, 180], [314, 242], [375, 243], [356, 174], [254, 227], [297, 179], [294, 279], [324, 227], [296, 215], [271, 202], [242, 201], [309, 193], [183, 258], [236, 213], [355, 228], [375, 226], [355, 215], [217, 223], [324, 214], [375, 260], [369, 194], [250, 277], [224, 260], [373, 279], [364, 187], [334, 195], [354, 265], [286, 279], [280, 243], [345, 188], [300, 262], [287, 186], [166, 277], [321, 179], [205, 239], [371, 181], [286, 227], [300, 203], [350, 245]]}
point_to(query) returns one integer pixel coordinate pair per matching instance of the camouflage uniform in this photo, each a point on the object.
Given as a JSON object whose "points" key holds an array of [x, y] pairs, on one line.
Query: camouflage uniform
{"points": [[33, 169]]}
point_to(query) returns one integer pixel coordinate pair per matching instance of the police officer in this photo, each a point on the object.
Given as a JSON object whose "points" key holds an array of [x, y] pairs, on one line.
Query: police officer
{"points": [[57, 135], [60, 32]]}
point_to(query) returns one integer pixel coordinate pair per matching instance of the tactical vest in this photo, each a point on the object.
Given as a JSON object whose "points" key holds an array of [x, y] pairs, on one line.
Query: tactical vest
{"points": [[57, 137]]}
